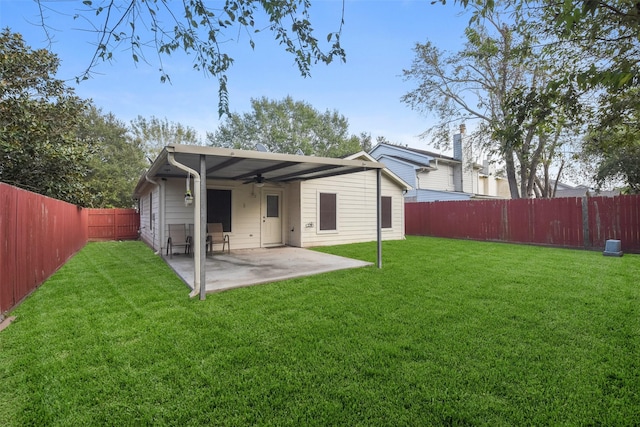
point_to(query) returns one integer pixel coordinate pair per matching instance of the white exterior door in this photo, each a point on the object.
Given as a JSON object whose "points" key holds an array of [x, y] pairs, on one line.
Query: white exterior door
{"points": [[271, 217]]}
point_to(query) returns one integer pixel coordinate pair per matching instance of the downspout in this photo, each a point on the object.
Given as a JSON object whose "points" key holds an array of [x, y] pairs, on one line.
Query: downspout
{"points": [[196, 222], [155, 226]]}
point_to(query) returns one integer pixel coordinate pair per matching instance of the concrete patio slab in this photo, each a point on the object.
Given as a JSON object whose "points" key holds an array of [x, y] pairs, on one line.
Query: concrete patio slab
{"points": [[257, 266]]}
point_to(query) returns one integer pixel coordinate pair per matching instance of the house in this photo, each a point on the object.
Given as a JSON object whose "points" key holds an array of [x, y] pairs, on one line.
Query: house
{"points": [[268, 199], [435, 177], [567, 190]]}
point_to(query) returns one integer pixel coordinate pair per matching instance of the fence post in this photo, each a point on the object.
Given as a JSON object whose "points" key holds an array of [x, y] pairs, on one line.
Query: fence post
{"points": [[586, 237]]}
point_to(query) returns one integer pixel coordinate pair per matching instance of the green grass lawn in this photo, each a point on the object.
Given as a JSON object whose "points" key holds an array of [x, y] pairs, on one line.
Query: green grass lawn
{"points": [[447, 333]]}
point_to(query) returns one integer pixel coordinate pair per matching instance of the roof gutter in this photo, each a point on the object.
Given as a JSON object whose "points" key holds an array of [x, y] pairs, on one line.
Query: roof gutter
{"points": [[146, 177], [196, 222]]}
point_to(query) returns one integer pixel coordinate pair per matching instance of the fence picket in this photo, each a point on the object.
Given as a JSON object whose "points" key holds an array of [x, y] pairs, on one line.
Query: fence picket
{"points": [[566, 222], [39, 234]]}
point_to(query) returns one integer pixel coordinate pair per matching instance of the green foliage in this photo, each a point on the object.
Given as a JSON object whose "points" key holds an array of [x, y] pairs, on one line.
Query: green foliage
{"points": [[482, 334], [613, 144], [621, 164], [39, 118], [153, 134], [202, 29], [596, 47], [117, 162], [499, 80], [608, 34], [288, 126], [600, 38], [366, 143]]}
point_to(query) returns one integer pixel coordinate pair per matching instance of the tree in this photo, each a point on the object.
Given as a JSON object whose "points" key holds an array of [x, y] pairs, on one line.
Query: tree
{"points": [[606, 33], [499, 80], [598, 42], [287, 126], [39, 119], [620, 165], [365, 141], [117, 162], [613, 143], [154, 134], [203, 29]]}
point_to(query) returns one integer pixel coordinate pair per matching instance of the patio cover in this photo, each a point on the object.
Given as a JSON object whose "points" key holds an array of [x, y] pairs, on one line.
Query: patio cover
{"points": [[175, 161], [225, 163]]}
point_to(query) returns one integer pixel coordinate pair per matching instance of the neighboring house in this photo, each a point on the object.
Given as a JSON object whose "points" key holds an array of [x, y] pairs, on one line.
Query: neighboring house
{"points": [[267, 199], [435, 177], [566, 190]]}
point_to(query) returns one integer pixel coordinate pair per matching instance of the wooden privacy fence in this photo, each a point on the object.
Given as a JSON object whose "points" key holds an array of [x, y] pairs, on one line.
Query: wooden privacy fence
{"points": [[113, 224], [567, 222], [39, 234]]}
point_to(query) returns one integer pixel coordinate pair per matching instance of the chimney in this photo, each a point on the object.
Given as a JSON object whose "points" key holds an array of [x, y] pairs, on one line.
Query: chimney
{"points": [[457, 146], [457, 143]]}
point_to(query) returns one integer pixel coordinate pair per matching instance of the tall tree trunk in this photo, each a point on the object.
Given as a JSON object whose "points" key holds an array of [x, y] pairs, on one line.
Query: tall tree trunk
{"points": [[535, 159], [538, 190], [555, 185], [524, 171], [511, 174]]}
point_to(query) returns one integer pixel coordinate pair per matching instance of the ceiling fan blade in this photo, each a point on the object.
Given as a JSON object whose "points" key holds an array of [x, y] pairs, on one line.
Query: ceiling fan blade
{"points": [[258, 179]]}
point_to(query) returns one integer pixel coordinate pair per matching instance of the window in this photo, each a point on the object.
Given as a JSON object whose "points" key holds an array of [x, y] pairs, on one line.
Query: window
{"points": [[219, 208], [328, 212], [151, 211], [272, 206], [386, 212]]}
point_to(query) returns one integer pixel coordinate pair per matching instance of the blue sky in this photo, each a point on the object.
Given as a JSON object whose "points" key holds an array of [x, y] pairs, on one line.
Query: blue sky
{"points": [[378, 36]]}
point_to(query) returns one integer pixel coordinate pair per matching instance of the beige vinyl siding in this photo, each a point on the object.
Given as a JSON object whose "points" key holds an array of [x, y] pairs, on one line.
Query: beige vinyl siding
{"points": [[245, 213], [355, 202], [175, 210], [293, 227], [245, 210], [441, 179], [489, 185], [145, 234], [144, 219], [356, 209], [148, 234], [470, 180], [503, 188], [155, 218]]}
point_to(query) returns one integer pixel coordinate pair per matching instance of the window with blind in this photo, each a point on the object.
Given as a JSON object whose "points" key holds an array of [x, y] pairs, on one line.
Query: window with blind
{"points": [[386, 212], [328, 220]]}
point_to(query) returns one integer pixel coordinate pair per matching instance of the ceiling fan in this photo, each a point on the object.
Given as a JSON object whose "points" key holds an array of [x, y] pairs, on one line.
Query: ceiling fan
{"points": [[258, 180]]}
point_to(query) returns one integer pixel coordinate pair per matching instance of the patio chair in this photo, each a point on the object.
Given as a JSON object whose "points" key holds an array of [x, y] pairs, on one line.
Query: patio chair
{"points": [[178, 237], [190, 232], [215, 235]]}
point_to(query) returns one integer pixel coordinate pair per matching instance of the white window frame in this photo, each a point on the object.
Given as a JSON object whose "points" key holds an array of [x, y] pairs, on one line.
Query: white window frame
{"points": [[390, 213], [318, 231]]}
